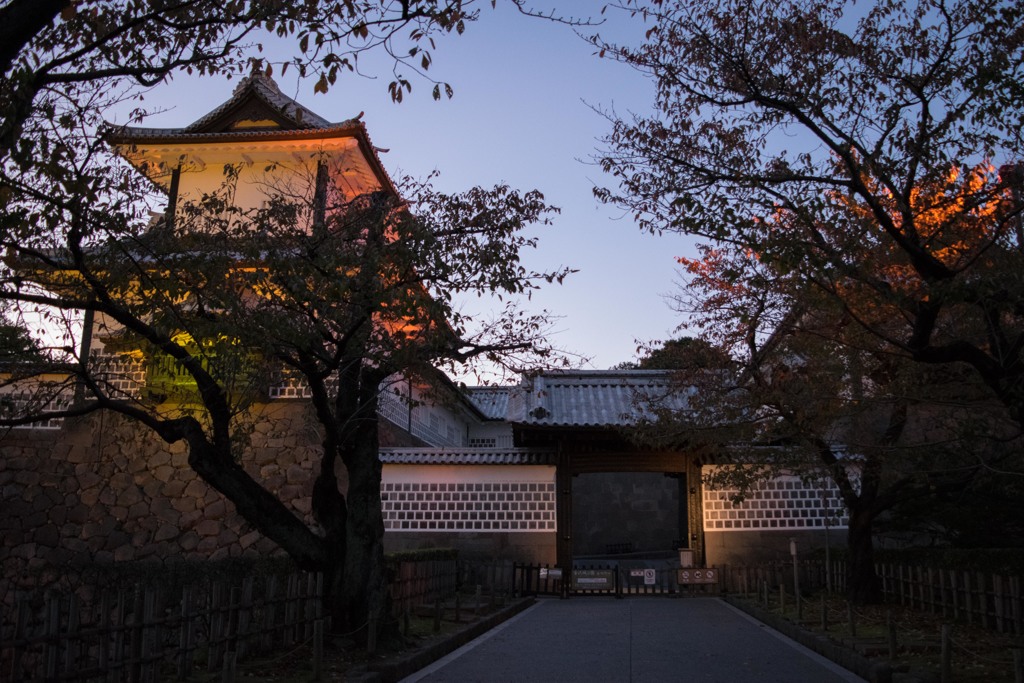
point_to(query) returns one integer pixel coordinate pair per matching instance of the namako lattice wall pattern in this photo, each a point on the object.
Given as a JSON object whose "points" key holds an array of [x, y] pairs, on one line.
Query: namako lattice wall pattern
{"points": [[467, 506], [783, 503]]}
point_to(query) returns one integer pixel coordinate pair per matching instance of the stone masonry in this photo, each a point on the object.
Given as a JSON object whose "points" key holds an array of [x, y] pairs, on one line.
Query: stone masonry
{"points": [[104, 489]]}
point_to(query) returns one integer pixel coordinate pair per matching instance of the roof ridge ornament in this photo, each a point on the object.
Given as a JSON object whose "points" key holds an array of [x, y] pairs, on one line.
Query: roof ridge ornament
{"points": [[257, 75]]}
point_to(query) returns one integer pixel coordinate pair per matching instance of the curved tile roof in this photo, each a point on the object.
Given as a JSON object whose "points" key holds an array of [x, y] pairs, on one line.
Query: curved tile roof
{"points": [[599, 398], [466, 456], [491, 401]]}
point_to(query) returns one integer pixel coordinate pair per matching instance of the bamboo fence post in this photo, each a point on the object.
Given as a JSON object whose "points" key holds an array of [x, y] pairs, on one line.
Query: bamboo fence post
{"points": [[270, 614], [105, 632], [891, 629], [52, 626], [214, 645], [946, 675], [318, 646], [150, 636], [20, 632], [138, 611], [244, 616], [73, 637], [185, 635]]}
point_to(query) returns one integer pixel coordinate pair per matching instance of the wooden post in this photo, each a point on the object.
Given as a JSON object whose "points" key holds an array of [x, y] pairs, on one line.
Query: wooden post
{"points": [[185, 635], [71, 651], [105, 630], [437, 614], [318, 645], [150, 636], [138, 612], [850, 622], [213, 645], [947, 654], [244, 612], [52, 635], [891, 626], [782, 598], [270, 613], [824, 612], [230, 668], [1018, 666]]}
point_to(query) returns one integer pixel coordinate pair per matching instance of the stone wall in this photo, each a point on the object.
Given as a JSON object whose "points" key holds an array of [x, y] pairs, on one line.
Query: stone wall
{"points": [[102, 489]]}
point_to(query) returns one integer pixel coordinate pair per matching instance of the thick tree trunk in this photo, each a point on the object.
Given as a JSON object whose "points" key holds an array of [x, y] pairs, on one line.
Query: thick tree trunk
{"points": [[363, 600], [862, 583]]}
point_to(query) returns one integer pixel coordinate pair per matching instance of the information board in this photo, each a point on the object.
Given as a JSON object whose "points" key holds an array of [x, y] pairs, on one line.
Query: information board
{"points": [[593, 579]]}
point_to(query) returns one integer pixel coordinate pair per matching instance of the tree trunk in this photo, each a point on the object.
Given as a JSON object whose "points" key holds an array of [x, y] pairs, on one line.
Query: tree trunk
{"points": [[862, 584], [364, 598]]}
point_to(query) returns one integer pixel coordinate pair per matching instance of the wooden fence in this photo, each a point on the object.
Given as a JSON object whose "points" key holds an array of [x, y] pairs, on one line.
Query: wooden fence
{"points": [[150, 633], [990, 600], [987, 599]]}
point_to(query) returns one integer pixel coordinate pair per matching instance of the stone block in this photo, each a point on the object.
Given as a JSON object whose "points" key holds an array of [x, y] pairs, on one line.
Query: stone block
{"points": [[27, 478], [290, 492], [166, 532], [188, 541], [116, 539], [208, 527], [303, 505], [297, 475], [124, 553], [139, 510], [86, 478], [159, 459], [108, 497], [189, 519], [207, 546], [91, 497], [162, 510], [196, 489], [249, 539], [220, 554], [173, 489], [48, 536], [58, 514], [151, 489], [164, 473], [216, 509], [78, 513]]}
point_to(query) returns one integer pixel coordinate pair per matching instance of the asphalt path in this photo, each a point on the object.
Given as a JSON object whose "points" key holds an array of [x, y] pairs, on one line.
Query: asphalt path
{"points": [[636, 640]]}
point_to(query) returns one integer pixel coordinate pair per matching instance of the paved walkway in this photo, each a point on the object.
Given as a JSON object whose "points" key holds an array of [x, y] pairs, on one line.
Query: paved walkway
{"points": [[635, 640]]}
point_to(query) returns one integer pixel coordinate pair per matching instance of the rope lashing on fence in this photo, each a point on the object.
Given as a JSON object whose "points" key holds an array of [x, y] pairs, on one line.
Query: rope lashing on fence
{"points": [[291, 652], [975, 655]]}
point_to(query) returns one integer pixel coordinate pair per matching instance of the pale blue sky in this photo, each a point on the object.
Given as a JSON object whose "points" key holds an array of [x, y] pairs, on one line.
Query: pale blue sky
{"points": [[521, 114]]}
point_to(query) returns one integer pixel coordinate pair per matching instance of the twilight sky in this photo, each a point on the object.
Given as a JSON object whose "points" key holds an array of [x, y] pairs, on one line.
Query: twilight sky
{"points": [[521, 114]]}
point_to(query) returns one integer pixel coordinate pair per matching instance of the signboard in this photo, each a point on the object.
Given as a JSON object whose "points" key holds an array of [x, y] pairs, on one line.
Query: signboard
{"points": [[593, 579], [554, 573], [692, 576], [636, 573], [649, 577]]}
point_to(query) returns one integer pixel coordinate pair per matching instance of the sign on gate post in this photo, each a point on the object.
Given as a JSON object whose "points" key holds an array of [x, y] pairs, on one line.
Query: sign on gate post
{"points": [[697, 576]]}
